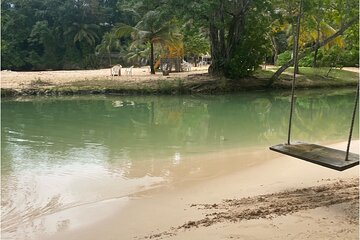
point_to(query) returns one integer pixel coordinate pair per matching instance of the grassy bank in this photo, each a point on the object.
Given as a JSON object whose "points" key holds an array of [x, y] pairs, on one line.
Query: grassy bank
{"points": [[312, 78], [326, 74], [192, 84], [200, 84]]}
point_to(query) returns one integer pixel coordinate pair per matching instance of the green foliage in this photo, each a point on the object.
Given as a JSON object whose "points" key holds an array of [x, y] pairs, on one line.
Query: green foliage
{"points": [[15, 27], [306, 61], [323, 73], [50, 34], [109, 43], [334, 57], [68, 34], [82, 32], [138, 54], [195, 42], [91, 62], [253, 45], [43, 43], [151, 30], [281, 42], [245, 60], [351, 50], [283, 58]]}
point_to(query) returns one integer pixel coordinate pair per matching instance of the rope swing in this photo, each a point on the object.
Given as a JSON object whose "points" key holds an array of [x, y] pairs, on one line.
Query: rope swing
{"points": [[324, 156]]}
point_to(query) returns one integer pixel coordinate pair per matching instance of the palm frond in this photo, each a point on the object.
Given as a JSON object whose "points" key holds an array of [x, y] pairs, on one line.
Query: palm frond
{"points": [[309, 33], [121, 30], [132, 12], [109, 41]]}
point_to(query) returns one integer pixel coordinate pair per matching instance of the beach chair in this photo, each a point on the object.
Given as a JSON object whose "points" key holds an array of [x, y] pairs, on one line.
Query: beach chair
{"points": [[116, 70], [186, 66], [128, 71], [201, 63]]}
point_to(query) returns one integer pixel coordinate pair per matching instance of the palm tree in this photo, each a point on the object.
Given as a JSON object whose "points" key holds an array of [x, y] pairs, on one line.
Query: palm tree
{"points": [[150, 29], [137, 53], [315, 30], [83, 32], [108, 42], [322, 31]]}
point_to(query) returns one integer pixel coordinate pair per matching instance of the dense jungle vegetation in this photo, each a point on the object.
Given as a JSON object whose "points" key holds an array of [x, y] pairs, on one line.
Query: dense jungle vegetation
{"points": [[238, 34]]}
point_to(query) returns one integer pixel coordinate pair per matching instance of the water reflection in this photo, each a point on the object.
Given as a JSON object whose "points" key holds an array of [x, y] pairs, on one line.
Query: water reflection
{"points": [[61, 152], [47, 132]]}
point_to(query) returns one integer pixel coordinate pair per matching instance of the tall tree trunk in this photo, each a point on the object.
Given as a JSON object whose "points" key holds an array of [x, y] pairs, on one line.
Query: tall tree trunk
{"points": [[275, 48], [221, 48], [111, 73], [109, 55], [152, 69], [294, 33], [296, 39], [237, 25], [222, 28], [311, 49], [216, 66], [314, 64]]}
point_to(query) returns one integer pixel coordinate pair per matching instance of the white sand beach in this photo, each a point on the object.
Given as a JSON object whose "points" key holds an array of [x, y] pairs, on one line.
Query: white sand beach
{"points": [[19, 80]]}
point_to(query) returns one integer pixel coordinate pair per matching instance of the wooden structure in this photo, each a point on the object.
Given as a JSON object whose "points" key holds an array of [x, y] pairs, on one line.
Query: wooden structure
{"points": [[324, 156]]}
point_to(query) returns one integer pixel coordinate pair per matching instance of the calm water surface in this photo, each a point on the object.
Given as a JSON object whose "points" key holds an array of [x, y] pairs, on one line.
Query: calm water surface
{"points": [[62, 152]]}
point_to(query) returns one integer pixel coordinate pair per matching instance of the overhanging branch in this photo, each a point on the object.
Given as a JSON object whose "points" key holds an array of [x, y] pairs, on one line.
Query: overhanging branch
{"points": [[311, 49]]}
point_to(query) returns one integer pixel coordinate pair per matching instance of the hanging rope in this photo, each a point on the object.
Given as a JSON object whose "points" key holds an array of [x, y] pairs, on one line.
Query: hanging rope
{"points": [[296, 49], [352, 123]]}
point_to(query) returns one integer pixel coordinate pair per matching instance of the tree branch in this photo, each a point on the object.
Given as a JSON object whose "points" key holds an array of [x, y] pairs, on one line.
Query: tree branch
{"points": [[343, 28]]}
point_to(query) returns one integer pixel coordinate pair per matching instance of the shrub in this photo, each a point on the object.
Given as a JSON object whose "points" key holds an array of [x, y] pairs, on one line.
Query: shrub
{"points": [[243, 63], [338, 57], [283, 58], [252, 49], [331, 57], [247, 57], [91, 61], [307, 61]]}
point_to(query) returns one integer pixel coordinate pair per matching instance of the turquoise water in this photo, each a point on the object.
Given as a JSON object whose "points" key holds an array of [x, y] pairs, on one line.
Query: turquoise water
{"points": [[61, 151]]}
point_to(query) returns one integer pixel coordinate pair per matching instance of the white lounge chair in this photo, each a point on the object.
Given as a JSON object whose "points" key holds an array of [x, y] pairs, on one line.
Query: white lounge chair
{"points": [[186, 66], [116, 70], [129, 70]]}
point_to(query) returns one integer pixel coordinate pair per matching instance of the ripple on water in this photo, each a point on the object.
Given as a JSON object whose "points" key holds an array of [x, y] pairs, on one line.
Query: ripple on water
{"points": [[51, 198]]}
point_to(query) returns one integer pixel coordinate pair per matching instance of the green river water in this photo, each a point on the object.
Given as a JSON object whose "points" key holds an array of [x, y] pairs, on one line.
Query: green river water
{"points": [[58, 152]]}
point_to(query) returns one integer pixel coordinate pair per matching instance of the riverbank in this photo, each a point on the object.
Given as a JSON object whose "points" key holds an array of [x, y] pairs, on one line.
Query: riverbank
{"points": [[255, 194], [141, 82]]}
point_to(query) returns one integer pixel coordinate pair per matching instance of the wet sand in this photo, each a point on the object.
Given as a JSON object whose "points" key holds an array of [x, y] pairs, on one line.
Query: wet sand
{"points": [[268, 196]]}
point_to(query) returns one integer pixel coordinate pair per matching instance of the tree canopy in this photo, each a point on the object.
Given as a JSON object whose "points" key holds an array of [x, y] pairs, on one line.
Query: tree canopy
{"points": [[239, 35]]}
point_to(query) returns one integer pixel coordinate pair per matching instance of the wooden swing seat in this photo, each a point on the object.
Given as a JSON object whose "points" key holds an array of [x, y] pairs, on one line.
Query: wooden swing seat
{"points": [[324, 156]]}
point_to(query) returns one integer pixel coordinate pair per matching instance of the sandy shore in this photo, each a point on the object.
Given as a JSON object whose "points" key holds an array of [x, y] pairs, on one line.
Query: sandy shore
{"points": [[141, 82], [16, 80], [19, 80], [271, 197]]}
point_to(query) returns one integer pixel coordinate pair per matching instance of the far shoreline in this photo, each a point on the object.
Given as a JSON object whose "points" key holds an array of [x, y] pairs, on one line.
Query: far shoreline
{"points": [[197, 81]]}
